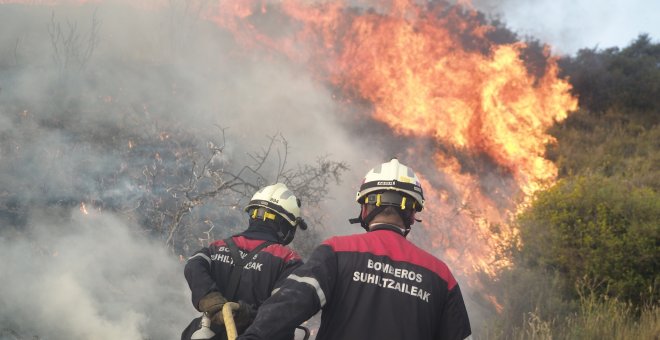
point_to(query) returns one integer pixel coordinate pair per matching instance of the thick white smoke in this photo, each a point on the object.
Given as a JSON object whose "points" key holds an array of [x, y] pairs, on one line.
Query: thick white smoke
{"points": [[66, 121], [89, 277]]}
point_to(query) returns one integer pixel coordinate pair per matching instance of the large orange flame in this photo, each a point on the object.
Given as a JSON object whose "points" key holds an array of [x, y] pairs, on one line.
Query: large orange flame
{"points": [[429, 71]]}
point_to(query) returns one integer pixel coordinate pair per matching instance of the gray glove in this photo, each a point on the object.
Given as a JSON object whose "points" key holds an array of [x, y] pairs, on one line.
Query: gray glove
{"points": [[211, 303]]}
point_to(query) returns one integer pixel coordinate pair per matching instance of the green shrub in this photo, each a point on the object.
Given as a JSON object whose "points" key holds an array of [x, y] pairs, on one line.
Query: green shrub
{"points": [[596, 227]]}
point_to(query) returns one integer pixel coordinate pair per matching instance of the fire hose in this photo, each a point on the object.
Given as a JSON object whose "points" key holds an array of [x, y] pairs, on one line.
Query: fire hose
{"points": [[228, 314], [228, 309], [230, 325]]}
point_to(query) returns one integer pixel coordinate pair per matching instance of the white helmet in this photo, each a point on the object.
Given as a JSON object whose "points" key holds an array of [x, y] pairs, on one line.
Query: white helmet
{"points": [[280, 200], [392, 176], [390, 184]]}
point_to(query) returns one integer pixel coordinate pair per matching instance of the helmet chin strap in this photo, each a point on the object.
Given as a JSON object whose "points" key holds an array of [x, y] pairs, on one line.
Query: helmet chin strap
{"points": [[286, 238], [285, 231], [288, 232], [391, 227]]}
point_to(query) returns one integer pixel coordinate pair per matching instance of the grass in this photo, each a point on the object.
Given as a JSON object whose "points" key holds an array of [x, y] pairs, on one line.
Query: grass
{"points": [[597, 318]]}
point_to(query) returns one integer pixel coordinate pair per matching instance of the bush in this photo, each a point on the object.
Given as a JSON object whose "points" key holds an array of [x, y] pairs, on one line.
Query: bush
{"points": [[596, 227]]}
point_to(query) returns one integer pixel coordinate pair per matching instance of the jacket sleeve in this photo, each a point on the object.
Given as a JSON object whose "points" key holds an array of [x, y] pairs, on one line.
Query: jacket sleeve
{"points": [[454, 323], [300, 296], [198, 275]]}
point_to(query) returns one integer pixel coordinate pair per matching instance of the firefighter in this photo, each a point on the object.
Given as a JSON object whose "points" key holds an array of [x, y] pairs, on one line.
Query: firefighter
{"points": [[374, 285], [274, 217]]}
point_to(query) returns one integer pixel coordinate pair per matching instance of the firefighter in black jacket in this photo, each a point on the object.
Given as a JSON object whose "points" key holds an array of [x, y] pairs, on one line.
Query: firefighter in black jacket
{"points": [[213, 279], [375, 285]]}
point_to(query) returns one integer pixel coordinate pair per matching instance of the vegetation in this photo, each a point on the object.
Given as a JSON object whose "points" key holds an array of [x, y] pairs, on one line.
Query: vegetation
{"points": [[597, 318], [597, 227], [586, 264], [621, 79], [613, 144]]}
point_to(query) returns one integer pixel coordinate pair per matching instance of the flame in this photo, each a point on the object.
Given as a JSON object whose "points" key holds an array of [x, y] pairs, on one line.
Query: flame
{"points": [[431, 72], [83, 208], [474, 115]]}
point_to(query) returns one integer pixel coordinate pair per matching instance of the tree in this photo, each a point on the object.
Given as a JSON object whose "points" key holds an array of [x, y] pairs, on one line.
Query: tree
{"points": [[617, 78]]}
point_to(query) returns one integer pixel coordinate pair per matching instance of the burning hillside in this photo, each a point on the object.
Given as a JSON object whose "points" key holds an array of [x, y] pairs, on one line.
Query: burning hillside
{"points": [[431, 71], [126, 126]]}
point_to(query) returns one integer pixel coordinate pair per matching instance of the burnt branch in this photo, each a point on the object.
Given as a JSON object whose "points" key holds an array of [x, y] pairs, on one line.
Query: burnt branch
{"points": [[213, 177], [16, 45], [70, 49], [312, 181], [213, 180]]}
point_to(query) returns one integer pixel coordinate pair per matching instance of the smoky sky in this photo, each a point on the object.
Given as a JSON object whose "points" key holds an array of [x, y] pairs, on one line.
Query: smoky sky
{"points": [[569, 25], [150, 72], [79, 85]]}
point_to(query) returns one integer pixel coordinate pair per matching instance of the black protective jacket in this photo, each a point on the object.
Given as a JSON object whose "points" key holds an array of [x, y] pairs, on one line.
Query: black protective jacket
{"points": [[209, 269], [376, 285]]}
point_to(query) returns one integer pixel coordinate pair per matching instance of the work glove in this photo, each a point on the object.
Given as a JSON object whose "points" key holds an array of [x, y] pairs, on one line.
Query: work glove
{"points": [[217, 318], [244, 316], [211, 303]]}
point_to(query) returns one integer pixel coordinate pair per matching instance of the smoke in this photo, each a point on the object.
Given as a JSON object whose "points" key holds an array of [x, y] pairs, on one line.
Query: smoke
{"points": [[99, 104], [152, 75], [568, 26], [90, 276], [103, 103]]}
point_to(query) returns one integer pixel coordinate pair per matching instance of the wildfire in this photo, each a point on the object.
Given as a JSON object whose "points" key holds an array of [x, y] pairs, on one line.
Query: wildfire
{"points": [[431, 72], [473, 113]]}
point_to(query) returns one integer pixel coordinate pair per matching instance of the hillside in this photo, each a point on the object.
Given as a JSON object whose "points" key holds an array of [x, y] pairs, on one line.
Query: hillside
{"points": [[589, 246]]}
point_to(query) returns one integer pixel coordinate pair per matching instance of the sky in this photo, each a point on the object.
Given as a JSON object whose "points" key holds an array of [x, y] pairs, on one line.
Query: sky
{"points": [[570, 25]]}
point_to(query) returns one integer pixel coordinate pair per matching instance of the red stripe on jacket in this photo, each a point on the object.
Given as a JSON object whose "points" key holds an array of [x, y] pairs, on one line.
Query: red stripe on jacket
{"points": [[394, 246], [247, 244]]}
